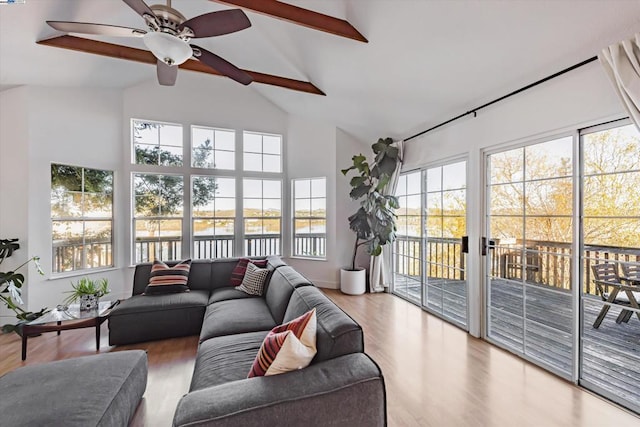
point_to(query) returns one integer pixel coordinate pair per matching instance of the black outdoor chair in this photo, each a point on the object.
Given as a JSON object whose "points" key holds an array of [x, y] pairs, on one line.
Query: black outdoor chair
{"points": [[606, 277]]}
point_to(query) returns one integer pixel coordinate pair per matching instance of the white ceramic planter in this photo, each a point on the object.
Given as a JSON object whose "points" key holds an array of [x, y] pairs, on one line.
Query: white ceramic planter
{"points": [[353, 282]]}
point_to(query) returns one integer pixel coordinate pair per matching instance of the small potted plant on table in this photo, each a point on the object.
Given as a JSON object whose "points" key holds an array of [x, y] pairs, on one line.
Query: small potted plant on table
{"points": [[88, 292]]}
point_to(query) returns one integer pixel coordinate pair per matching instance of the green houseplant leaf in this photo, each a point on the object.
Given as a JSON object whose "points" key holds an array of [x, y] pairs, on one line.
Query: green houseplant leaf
{"points": [[374, 221]]}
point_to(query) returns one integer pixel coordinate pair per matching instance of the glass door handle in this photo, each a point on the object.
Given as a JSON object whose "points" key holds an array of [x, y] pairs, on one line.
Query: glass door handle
{"points": [[483, 245], [465, 244]]}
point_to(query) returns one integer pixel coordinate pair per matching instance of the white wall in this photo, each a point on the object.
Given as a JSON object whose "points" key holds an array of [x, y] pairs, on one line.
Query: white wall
{"points": [[43, 126], [311, 153], [347, 147], [14, 178], [578, 99]]}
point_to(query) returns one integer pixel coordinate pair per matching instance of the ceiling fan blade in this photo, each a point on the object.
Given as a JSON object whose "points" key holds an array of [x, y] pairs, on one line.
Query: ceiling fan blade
{"points": [[222, 65], [167, 74], [217, 23], [97, 29], [140, 7]]}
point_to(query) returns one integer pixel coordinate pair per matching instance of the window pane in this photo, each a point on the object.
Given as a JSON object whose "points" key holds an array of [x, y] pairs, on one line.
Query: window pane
{"points": [[252, 208], [271, 163], [550, 159], [252, 188], [225, 140], [611, 150], [302, 188], [611, 195], [434, 204], [507, 199], [549, 197], [434, 179], [271, 144], [203, 227], [413, 183], [454, 202], [253, 226], [225, 160], [252, 143], [302, 208], [252, 162], [271, 226], [271, 207], [454, 227], [202, 158], [302, 226], [454, 176], [319, 207], [319, 187], [157, 143], [225, 208], [272, 189], [549, 229], [507, 166], [402, 185]]}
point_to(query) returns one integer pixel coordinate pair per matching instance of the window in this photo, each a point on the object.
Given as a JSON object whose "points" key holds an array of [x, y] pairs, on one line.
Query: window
{"points": [[81, 218], [156, 143], [310, 217], [213, 148], [190, 200], [157, 216], [262, 153], [214, 213], [262, 212]]}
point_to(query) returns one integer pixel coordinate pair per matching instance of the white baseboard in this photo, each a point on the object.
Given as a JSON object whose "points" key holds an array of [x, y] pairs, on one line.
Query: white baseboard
{"points": [[325, 284]]}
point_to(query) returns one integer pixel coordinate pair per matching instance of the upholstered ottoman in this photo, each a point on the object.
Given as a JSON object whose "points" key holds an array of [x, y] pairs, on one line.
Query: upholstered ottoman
{"points": [[100, 390]]}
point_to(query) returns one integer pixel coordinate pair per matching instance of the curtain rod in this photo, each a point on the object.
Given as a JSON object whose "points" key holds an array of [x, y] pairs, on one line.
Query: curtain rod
{"points": [[515, 92]]}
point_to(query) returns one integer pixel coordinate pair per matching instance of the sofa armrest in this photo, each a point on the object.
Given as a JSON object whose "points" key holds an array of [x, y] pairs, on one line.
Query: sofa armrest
{"points": [[348, 390]]}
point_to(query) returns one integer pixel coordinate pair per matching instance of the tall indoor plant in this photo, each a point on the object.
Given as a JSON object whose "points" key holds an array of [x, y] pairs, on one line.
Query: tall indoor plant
{"points": [[374, 223], [11, 283]]}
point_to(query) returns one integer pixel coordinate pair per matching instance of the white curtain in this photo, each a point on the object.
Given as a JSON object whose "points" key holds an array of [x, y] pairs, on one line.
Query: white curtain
{"points": [[621, 61], [380, 274]]}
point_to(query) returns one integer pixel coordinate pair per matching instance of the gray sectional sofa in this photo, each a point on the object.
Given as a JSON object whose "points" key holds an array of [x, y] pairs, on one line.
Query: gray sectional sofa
{"points": [[342, 386]]}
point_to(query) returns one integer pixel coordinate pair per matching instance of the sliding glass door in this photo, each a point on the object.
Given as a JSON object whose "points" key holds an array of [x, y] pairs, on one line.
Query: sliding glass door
{"points": [[529, 199], [430, 257], [610, 346]]}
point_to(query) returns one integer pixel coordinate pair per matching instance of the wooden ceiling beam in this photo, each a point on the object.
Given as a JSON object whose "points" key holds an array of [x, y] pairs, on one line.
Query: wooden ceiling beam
{"points": [[111, 50], [300, 16]]}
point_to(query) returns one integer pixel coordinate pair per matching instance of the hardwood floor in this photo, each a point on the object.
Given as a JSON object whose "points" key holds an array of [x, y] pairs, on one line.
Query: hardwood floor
{"points": [[435, 373]]}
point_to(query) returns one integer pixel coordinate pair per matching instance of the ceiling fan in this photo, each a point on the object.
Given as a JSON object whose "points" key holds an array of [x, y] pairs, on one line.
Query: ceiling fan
{"points": [[168, 36]]}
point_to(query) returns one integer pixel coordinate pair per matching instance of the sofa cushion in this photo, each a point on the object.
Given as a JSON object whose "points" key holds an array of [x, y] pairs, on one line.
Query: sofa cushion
{"points": [[239, 271], [99, 390], [337, 333], [236, 317], [254, 280], [199, 275], [287, 347], [224, 359], [145, 318], [230, 292], [281, 285], [164, 279]]}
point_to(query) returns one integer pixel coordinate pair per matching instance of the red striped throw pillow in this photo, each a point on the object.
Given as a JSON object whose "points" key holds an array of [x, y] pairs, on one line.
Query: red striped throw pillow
{"points": [[287, 347], [241, 268], [164, 279]]}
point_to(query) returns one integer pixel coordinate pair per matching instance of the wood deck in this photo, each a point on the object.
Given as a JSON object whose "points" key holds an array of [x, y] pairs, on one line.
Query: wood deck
{"points": [[610, 354]]}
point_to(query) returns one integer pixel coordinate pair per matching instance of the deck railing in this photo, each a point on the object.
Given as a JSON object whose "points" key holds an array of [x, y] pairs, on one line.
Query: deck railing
{"points": [[76, 255], [540, 262]]}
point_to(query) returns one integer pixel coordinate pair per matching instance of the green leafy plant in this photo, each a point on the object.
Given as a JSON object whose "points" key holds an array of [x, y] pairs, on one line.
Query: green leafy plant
{"points": [[11, 283], [374, 223], [86, 286]]}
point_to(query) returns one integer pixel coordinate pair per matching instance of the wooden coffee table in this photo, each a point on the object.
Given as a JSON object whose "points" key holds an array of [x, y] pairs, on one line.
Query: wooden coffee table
{"points": [[62, 320]]}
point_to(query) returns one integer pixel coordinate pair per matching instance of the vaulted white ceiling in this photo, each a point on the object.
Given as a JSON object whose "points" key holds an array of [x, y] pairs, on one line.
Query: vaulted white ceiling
{"points": [[426, 60]]}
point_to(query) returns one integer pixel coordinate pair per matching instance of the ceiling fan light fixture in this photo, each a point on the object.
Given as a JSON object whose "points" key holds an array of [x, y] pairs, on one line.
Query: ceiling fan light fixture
{"points": [[167, 48]]}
